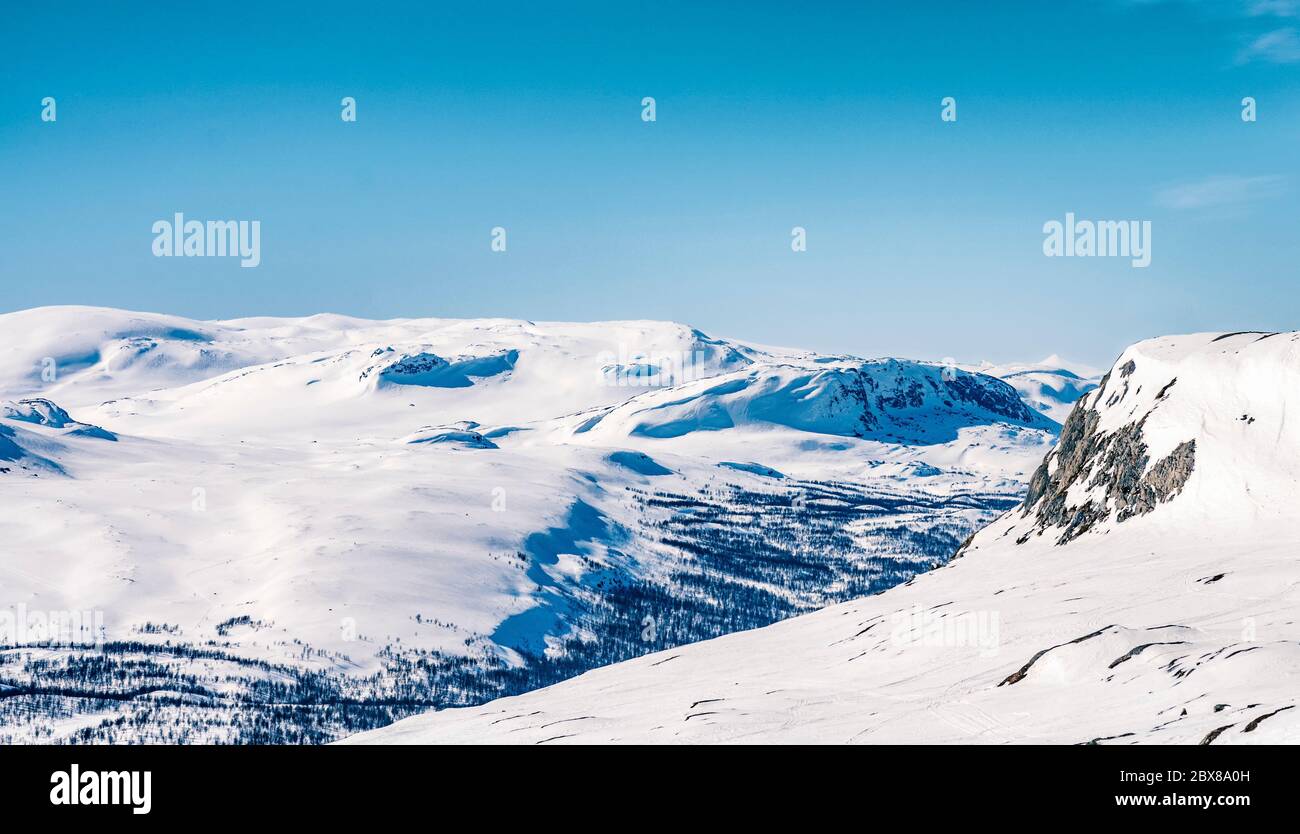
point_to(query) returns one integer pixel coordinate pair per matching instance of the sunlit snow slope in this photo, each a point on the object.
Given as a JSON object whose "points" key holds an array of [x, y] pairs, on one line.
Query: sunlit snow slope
{"points": [[298, 528], [1145, 592], [1051, 386]]}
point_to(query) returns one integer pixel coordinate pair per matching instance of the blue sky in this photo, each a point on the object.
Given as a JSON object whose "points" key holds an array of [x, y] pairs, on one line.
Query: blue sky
{"points": [[924, 237]]}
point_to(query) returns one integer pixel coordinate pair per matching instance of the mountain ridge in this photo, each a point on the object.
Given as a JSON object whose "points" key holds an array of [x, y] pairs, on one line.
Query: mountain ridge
{"points": [[1165, 621], [347, 521]]}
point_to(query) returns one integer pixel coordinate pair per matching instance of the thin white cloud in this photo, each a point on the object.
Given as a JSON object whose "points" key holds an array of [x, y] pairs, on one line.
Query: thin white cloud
{"points": [[1275, 46], [1219, 191], [1281, 46], [1276, 8], [1235, 8]]}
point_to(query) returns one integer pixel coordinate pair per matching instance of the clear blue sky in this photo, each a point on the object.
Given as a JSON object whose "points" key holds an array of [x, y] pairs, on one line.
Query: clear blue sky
{"points": [[924, 238]]}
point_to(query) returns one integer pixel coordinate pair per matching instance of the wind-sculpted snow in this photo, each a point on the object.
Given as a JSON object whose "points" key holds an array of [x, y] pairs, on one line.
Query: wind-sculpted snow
{"points": [[310, 527], [638, 462], [755, 468], [429, 369], [40, 412], [32, 434], [461, 434], [1144, 592], [45, 413], [9, 450]]}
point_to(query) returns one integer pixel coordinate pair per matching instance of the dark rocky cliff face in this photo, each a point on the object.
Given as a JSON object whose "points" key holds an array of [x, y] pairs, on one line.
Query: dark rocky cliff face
{"points": [[1114, 467]]}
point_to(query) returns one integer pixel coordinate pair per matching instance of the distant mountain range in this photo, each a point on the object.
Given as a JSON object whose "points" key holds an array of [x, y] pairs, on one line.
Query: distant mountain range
{"points": [[1051, 386], [296, 529], [1143, 592]]}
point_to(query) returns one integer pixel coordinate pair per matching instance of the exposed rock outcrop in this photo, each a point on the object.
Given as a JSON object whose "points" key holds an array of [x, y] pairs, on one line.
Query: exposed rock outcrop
{"points": [[1114, 468]]}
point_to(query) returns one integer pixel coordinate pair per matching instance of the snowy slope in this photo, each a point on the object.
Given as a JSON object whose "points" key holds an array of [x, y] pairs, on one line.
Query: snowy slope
{"points": [[1144, 593], [1051, 386], [410, 513]]}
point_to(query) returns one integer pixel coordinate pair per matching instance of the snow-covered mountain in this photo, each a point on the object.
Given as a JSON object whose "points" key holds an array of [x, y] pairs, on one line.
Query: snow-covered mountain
{"points": [[1051, 386], [292, 529], [1145, 591]]}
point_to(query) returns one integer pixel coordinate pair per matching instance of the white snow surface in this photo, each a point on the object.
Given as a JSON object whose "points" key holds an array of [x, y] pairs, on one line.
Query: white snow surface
{"points": [[1051, 386], [330, 476], [1175, 626]]}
